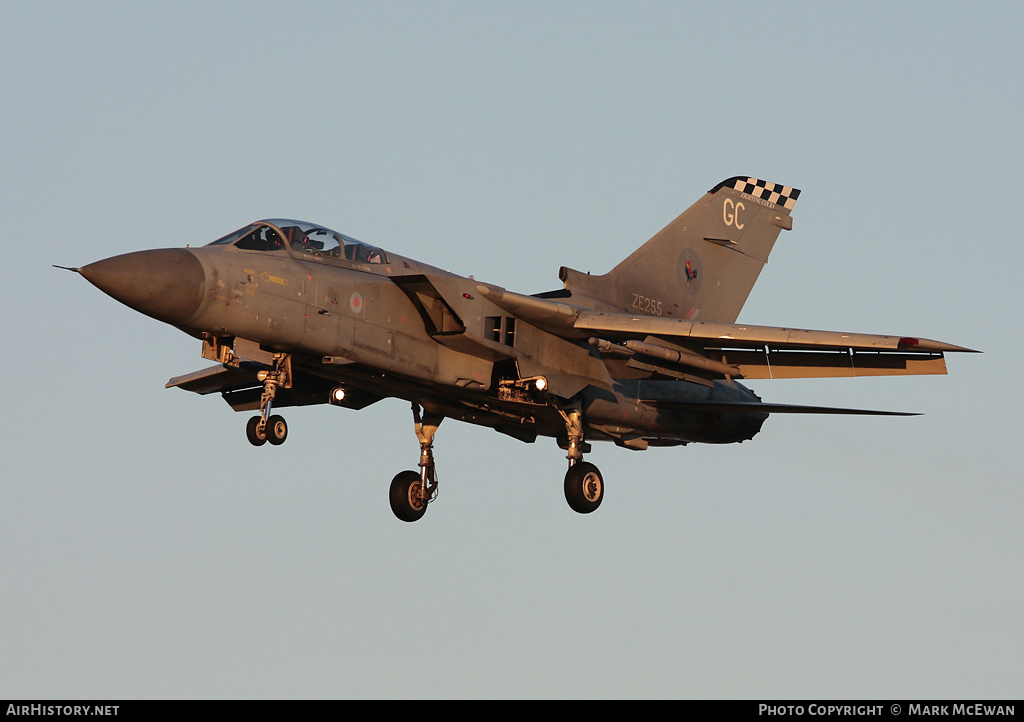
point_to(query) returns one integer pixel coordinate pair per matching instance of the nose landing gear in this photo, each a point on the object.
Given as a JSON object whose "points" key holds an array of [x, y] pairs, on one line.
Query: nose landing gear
{"points": [[265, 427]]}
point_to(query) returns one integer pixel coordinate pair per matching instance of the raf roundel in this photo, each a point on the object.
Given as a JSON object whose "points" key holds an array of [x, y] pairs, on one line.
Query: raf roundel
{"points": [[355, 302]]}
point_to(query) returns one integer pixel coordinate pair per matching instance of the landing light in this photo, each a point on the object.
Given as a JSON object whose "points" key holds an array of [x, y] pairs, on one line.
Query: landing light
{"points": [[541, 383], [337, 395]]}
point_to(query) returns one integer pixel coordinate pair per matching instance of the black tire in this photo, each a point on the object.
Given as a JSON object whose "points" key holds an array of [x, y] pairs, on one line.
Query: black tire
{"points": [[277, 430], [404, 503], [252, 432], [584, 487]]}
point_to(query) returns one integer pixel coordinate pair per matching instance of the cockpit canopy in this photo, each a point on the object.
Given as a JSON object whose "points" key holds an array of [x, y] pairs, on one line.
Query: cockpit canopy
{"points": [[277, 233]]}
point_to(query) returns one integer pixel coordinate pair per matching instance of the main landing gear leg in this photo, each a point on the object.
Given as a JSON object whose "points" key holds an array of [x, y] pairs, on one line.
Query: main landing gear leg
{"points": [[265, 427], [584, 487], [411, 491]]}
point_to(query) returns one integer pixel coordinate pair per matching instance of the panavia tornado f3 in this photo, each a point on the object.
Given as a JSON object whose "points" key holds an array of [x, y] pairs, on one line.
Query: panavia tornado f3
{"points": [[648, 354]]}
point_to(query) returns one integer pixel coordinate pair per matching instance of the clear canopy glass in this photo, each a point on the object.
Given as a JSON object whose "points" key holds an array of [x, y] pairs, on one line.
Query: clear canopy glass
{"points": [[302, 237]]}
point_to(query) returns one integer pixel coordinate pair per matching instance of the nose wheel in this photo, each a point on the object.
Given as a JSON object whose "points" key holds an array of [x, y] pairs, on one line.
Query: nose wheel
{"points": [[259, 432], [266, 427]]}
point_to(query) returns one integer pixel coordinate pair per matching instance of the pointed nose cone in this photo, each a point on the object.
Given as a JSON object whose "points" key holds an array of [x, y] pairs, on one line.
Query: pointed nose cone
{"points": [[166, 284]]}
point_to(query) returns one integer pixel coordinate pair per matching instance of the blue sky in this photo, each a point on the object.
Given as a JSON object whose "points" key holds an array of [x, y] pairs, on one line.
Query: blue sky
{"points": [[146, 550]]}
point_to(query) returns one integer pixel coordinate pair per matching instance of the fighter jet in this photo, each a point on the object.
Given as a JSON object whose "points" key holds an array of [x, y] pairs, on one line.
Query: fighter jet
{"points": [[648, 354]]}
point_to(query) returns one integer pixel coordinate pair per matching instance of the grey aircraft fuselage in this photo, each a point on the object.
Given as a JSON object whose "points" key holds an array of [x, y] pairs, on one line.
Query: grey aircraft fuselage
{"points": [[648, 354], [351, 323]]}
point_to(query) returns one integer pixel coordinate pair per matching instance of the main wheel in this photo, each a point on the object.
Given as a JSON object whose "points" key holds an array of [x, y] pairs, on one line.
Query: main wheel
{"points": [[405, 501], [584, 487], [256, 436], [277, 430]]}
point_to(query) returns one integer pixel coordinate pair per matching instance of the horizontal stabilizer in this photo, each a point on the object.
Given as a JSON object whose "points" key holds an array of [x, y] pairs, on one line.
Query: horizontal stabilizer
{"points": [[754, 407]]}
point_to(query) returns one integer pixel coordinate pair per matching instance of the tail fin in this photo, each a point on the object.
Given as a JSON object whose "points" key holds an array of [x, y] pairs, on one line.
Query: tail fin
{"points": [[701, 265]]}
